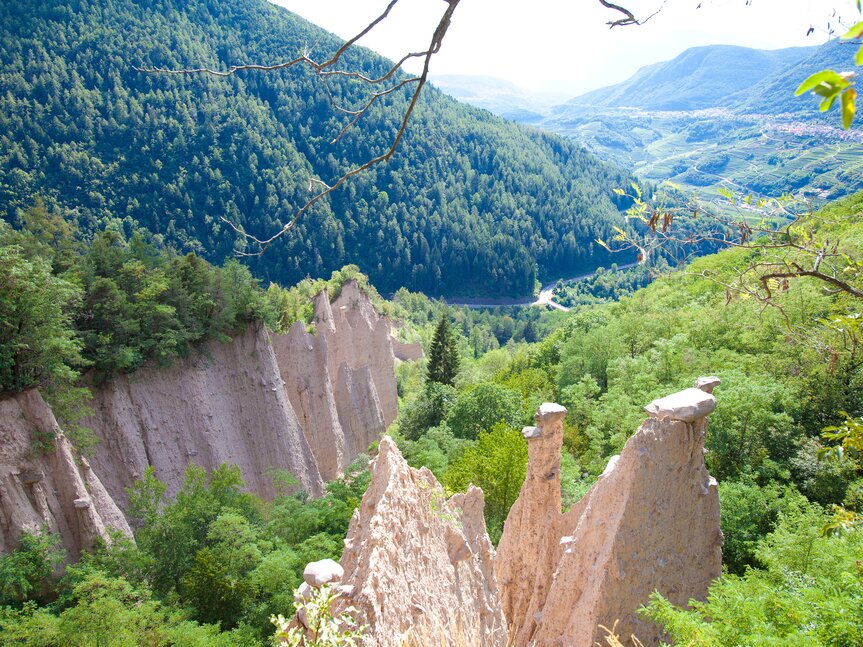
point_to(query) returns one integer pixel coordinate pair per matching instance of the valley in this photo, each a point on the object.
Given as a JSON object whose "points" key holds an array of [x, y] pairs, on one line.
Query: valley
{"points": [[715, 118], [612, 392], [544, 298], [704, 150]]}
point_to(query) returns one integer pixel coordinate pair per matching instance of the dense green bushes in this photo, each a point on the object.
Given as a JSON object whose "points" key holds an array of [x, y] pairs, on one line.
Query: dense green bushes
{"points": [[37, 343], [110, 305], [211, 564], [140, 304], [810, 592]]}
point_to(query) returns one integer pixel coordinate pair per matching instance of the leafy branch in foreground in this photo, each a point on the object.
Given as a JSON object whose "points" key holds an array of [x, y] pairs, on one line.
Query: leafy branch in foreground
{"points": [[848, 446], [324, 628], [784, 238], [831, 85]]}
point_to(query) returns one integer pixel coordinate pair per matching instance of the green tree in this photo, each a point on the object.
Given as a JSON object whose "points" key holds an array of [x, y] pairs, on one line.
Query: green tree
{"points": [[497, 463], [749, 513], [24, 573], [443, 354], [218, 584], [38, 346], [428, 409], [483, 406], [176, 534]]}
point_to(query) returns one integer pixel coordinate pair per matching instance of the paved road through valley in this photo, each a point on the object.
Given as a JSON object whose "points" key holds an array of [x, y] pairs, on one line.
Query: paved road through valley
{"points": [[544, 298]]}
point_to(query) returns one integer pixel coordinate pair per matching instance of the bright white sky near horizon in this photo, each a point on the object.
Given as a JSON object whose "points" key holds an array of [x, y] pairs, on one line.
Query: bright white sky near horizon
{"points": [[564, 46]]}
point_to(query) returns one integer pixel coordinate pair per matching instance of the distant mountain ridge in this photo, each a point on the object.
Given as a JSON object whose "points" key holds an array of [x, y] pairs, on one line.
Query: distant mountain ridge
{"points": [[723, 116], [774, 93], [700, 77], [498, 96]]}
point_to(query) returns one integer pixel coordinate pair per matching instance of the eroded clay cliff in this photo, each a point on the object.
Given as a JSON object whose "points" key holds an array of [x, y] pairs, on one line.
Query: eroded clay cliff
{"points": [[419, 568], [651, 522], [45, 485], [340, 380], [307, 403], [225, 403]]}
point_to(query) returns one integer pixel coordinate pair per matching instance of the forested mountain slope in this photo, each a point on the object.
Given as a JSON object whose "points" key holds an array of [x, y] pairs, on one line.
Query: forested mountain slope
{"points": [[469, 204], [771, 94]]}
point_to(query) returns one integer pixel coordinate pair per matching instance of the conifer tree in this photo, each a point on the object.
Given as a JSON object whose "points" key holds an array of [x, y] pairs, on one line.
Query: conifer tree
{"points": [[443, 354]]}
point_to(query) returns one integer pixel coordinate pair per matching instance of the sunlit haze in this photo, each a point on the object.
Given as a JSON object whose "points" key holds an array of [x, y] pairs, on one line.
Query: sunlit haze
{"points": [[566, 46]]}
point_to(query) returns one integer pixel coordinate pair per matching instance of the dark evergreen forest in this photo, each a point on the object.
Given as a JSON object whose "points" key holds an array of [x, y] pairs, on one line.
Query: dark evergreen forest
{"points": [[471, 204]]}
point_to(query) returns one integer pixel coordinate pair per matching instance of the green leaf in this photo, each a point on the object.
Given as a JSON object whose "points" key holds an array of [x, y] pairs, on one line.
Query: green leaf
{"points": [[858, 58], [827, 103], [619, 192], [849, 107], [855, 32], [830, 89], [636, 188], [824, 76]]}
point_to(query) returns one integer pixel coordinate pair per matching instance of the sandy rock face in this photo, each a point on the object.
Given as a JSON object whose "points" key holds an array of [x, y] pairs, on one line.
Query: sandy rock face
{"points": [[302, 362], [307, 403], [528, 550], [51, 490], [407, 352], [361, 338], [341, 380], [224, 404], [651, 522], [415, 562]]}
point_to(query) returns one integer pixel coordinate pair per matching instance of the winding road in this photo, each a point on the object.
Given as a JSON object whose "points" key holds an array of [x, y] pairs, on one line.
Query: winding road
{"points": [[544, 298]]}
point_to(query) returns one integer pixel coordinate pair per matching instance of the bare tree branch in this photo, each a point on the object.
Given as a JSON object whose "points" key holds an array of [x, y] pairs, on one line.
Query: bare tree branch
{"points": [[328, 69], [796, 272], [325, 70], [628, 17]]}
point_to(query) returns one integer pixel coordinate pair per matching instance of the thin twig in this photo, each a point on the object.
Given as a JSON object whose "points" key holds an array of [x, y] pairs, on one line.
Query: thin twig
{"points": [[327, 69]]}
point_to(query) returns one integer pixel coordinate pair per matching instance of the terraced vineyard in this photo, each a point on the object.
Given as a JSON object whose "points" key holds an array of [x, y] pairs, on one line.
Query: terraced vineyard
{"points": [[707, 151]]}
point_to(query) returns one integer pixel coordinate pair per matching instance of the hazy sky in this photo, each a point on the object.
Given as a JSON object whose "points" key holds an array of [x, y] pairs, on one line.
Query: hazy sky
{"points": [[565, 45]]}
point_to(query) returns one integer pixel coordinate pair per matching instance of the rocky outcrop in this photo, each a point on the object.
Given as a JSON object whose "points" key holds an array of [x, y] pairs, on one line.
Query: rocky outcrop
{"points": [[44, 485], [306, 403], [419, 568], [340, 380], [225, 403], [407, 352], [651, 522], [529, 547]]}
